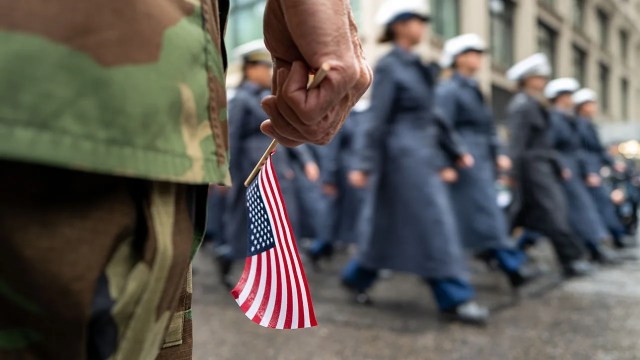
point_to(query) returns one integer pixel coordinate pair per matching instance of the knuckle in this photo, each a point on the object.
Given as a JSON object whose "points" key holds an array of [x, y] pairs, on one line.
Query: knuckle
{"points": [[324, 140], [317, 137], [288, 142], [364, 82], [352, 72]]}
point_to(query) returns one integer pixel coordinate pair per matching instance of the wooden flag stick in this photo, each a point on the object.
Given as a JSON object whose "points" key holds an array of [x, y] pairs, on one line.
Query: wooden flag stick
{"points": [[317, 79]]}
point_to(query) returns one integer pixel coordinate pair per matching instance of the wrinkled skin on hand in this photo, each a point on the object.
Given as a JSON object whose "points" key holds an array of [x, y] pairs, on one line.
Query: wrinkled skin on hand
{"points": [[302, 36]]}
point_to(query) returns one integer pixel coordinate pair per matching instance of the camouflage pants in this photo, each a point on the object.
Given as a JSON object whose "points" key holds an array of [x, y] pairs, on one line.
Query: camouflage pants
{"points": [[95, 267]]}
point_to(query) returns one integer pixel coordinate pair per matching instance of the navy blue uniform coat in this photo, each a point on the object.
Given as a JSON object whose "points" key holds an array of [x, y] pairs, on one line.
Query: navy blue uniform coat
{"points": [[247, 144], [482, 223], [407, 220], [336, 162], [312, 203], [583, 214], [539, 202], [596, 157]]}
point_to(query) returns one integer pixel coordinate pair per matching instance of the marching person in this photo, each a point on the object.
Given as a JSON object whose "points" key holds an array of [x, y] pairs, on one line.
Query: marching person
{"points": [[625, 194], [407, 221], [104, 178], [215, 231], [247, 144], [338, 159], [313, 204], [342, 199], [481, 222], [597, 157], [565, 138], [539, 202]]}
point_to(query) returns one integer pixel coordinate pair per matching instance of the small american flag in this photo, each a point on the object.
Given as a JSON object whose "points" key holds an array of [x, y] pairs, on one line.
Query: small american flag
{"points": [[273, 290]]}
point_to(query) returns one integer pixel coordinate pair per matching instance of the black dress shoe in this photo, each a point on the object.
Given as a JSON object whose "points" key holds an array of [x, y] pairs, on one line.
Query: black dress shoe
{"points": [[577, 268], [468, 313], [359, 296], [488, 258], [523, 276]]}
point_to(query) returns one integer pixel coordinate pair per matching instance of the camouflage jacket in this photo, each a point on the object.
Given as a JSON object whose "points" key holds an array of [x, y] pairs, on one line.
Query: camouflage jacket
{"points": [[124, 87]]}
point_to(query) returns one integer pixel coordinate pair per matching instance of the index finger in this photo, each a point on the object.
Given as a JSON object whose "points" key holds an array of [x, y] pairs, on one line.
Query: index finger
{"points": [[312, 104]]}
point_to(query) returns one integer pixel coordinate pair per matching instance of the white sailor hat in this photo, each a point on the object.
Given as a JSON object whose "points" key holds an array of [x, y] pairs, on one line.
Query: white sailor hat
{"points": [[253, 52], [560, 86], [535, 65], [460, 45], [392, 10], [584, 96]]}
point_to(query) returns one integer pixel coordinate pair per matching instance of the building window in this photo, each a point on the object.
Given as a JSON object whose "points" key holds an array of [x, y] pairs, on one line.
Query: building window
{"points": [[624, 45], [547, 43], [578, 13], [603, 77], [580, 65], [502, 14], [245, 22], [624, 102], [603, 28], [446, 18]]}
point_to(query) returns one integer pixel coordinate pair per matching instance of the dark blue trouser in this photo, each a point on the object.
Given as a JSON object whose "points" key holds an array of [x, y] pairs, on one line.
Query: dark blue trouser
{"points": [[320, 246], [608, 213], [509, 260], [528, 238], [448, 293]]}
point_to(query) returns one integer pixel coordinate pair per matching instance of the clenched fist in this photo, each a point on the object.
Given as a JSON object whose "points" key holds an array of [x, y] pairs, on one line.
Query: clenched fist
{"points": [[302, 35]]}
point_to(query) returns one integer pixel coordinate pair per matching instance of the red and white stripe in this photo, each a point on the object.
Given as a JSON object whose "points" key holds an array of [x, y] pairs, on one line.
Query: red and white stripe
{"points": [[273, 291]]}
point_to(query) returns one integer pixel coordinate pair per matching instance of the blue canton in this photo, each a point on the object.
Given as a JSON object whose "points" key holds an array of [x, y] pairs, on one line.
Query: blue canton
{"points": [[261, 236]]}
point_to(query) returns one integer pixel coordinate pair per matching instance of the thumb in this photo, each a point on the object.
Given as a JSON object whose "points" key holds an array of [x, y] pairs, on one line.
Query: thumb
{"points": [[295, 84]]}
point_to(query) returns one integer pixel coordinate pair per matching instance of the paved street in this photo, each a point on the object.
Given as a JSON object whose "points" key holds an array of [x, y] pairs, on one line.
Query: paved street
{"points": [[595, 318]]}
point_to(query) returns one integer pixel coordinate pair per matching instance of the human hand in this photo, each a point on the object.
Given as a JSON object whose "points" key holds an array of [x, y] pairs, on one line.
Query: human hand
{"points": [[312, 171], [566, 174], [465, 161], [449, 175], [617, 196], [290, 174], [330, 190], [302, 36], [620, 167], [358, 179], [593, 180], [504, 163]]}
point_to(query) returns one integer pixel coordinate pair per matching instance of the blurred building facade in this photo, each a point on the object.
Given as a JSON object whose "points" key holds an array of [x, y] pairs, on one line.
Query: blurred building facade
{"points": [[596, 41]]}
